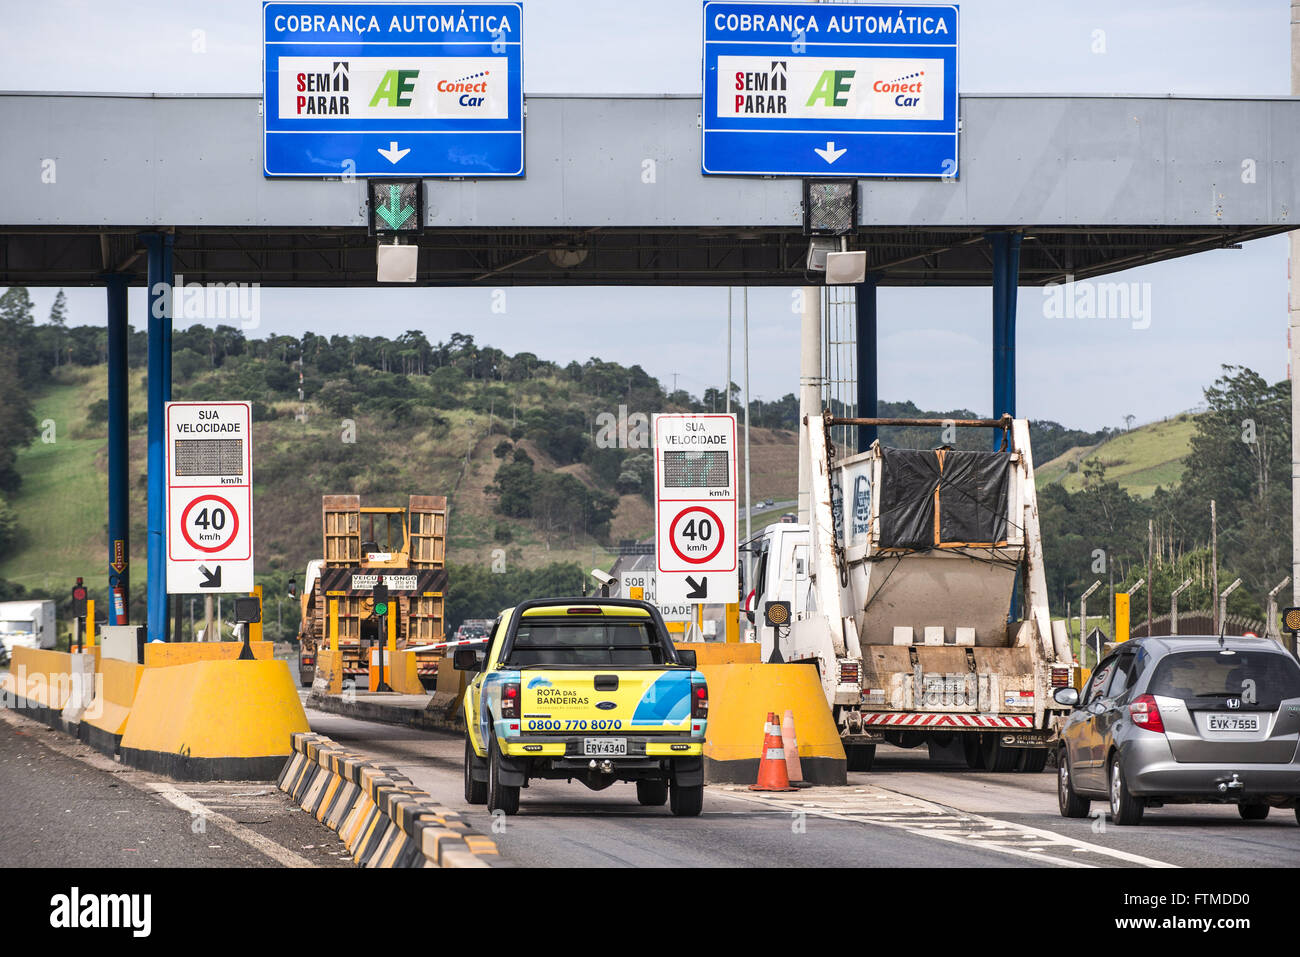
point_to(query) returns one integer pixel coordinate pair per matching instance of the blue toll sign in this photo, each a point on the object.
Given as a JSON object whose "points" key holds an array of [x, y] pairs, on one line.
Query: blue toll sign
{"points": [[842, 90], [389, 89]]}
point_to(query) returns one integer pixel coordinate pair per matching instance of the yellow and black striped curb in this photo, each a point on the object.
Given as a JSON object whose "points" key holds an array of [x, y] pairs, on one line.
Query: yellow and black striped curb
{"points": [[382, 817]]}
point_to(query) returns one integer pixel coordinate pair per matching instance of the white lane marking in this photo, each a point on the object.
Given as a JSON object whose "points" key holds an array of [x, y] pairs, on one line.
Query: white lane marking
{"points": [[1004, 837], [250, 837], [1052, 836]]}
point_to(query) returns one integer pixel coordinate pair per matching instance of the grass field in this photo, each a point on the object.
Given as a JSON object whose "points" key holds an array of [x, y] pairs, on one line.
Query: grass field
{"points": [[1140, 461], [61, 505]]}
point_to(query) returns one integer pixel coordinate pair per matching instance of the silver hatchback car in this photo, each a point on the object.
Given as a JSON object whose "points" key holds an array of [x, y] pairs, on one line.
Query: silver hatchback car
{"points": [[1184, 720]]}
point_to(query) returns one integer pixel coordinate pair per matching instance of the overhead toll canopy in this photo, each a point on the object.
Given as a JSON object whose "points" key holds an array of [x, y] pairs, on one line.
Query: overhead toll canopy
{"points": [[613, 193]]}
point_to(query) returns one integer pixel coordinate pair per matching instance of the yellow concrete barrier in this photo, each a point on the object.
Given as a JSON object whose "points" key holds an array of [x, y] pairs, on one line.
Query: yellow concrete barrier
{"points": [[105, 720], [329, 672], [740, 697], [41, 679], [162, 654], [721, 653], [450, 690], [214, 720], [403, 674]]}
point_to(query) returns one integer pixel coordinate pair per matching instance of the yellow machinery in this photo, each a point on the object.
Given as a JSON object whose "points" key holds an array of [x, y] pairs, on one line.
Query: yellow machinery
{"points": [[407, 548]]}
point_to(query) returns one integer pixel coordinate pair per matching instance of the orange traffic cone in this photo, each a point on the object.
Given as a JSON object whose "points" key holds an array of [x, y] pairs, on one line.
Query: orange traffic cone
{"points": [[772, 773], [790, 745]]}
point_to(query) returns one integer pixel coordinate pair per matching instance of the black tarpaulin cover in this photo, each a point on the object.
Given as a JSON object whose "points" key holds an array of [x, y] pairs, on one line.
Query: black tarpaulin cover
{"points": [[972, 497]]}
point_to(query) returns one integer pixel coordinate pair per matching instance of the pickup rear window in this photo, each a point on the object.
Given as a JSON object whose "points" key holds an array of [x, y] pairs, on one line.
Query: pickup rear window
{"points": [[1267, 678], [597, 643]]}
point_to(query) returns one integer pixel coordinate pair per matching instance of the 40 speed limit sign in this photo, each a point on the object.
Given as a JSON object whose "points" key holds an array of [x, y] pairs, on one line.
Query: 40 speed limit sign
{"points": [[209, 497], [695, 504]]}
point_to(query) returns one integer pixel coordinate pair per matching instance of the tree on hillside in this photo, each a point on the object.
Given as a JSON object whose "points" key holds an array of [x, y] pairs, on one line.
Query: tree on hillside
{"points": [[18, 370]]}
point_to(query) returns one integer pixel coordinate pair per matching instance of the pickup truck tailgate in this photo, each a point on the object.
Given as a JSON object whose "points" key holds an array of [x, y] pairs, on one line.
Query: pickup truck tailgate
{"points": [[616, 699]]}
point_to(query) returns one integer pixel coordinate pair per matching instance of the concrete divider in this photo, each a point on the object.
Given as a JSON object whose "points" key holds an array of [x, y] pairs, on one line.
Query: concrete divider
{"points": [[214, 720], [105, 719], [41, 683], [399, 671], [383, 819], [740, 697], [162, 654], [329, 672], [450, 689]]}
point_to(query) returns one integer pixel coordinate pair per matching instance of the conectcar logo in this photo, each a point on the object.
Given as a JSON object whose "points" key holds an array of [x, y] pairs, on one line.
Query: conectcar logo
{"points": [[908, 88], [467, 87]]}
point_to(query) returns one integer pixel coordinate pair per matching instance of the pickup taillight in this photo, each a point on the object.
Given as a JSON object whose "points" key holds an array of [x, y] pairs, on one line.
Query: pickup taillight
{"points": [[699, 701], [510, 699]]}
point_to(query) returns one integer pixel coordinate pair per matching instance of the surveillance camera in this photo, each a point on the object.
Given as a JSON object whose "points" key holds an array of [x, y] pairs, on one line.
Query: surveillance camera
{"points": [[603, 578]]}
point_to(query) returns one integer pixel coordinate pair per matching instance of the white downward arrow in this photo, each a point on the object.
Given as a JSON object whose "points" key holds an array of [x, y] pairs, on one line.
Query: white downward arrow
{"points": [[393, 154], [830, 154]]}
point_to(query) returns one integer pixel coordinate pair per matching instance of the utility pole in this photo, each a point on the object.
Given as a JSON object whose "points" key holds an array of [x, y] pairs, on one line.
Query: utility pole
{"points": [[727, 387], [1151, 544], [810, 365], [749, 531], [1294, 341], [1173, 605], [1214, 562]]}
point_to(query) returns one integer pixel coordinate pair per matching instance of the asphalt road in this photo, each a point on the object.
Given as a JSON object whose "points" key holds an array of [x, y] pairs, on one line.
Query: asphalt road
{"points": [[63, 804], [908, 811]]}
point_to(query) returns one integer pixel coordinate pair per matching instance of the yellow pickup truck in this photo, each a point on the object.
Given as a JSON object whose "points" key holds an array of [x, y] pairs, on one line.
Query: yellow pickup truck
{"points": [[587, 689]]}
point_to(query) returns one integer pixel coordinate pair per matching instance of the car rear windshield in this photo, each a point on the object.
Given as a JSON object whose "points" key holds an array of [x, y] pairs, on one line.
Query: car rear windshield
{"points": [[595, 643], [1258, 677]]}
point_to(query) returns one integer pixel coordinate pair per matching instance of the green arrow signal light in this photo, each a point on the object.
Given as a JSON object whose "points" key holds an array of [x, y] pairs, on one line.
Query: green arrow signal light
{"points": [[396, 213]]}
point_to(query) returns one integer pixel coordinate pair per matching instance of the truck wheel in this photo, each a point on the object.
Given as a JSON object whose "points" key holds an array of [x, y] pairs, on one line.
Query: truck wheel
{"points": [[971, 746], [1032, 760], [1252, 812], [860, 757], [1070, 803], [500, 797], [686, 801], [475, 791], [996, 757], [652, 793], [1125, 809]]}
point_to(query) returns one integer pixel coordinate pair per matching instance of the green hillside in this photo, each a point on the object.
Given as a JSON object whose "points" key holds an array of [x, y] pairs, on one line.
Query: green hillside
{"points": [[1140, 460]]}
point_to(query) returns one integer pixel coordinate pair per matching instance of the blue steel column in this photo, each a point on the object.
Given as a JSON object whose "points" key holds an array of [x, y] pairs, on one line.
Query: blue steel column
{"points": [[865, 337], [1006, 274], [160, 320], [119, 500]]}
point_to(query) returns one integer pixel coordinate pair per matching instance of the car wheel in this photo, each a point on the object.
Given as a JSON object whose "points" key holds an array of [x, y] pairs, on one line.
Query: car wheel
{"points": [[1032, 760], [500, 797], [859, 757], [686, 801], [996, 757], [652, 793], [1253, 812], [1070, 803], [971, 746], [475, 791], [1124, 807]]}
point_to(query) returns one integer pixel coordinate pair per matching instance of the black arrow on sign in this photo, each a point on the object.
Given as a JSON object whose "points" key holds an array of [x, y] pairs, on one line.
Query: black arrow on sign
{"points": [[210, 579], [699, 589]]}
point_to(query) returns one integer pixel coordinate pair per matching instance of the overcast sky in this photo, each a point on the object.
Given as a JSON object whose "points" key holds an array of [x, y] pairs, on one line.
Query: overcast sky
{"points": [[1223, 306]]}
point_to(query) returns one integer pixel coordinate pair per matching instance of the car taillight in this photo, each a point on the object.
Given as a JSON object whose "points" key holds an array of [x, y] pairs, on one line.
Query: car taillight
{"points": [[1060, 677], [1145, 714], [510, 699], [699, 701]]}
